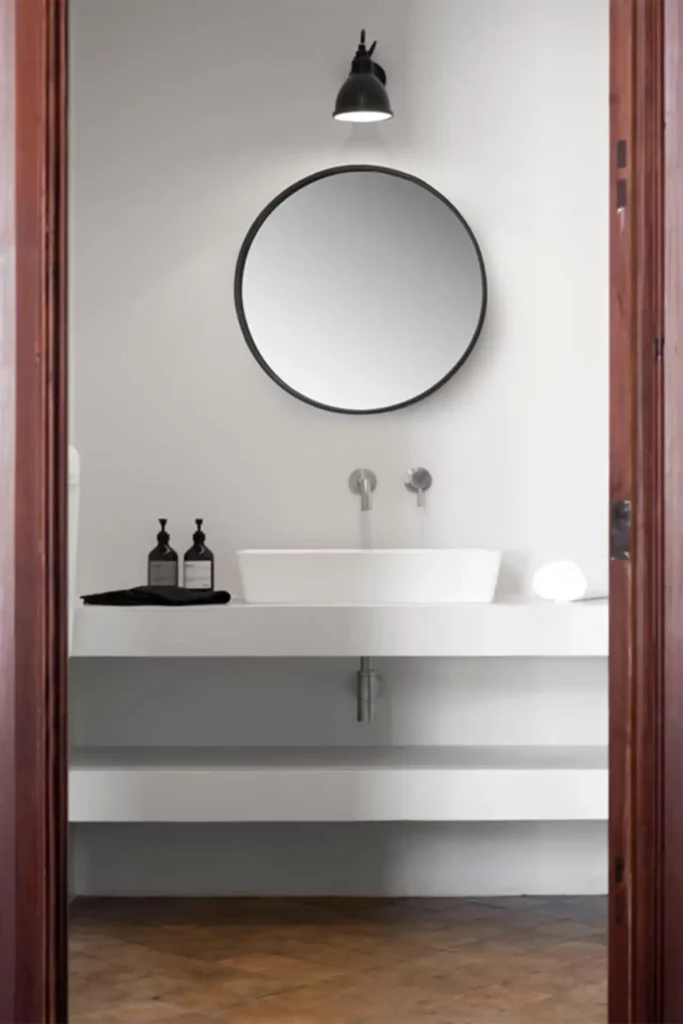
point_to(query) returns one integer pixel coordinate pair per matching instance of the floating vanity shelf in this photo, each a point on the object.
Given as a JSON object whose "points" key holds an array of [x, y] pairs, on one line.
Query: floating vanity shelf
{"points": [[171, 784], [501, 629]]}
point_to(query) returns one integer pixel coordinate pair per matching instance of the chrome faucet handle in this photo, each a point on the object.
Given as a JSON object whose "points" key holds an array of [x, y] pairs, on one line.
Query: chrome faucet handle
{"points": [[363, 482], [418, 481]]}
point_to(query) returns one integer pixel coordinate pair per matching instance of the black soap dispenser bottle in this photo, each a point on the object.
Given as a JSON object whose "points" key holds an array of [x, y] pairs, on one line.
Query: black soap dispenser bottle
{"points": [[198, 562], [162, 564]]}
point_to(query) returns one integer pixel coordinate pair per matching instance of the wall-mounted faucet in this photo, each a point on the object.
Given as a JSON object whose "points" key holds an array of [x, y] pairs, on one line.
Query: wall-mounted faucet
{"points": [[418, 481], [363, 482]]}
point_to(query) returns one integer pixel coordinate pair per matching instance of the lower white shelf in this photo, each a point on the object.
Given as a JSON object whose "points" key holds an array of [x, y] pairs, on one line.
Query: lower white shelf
{"points": [[309, 784]]}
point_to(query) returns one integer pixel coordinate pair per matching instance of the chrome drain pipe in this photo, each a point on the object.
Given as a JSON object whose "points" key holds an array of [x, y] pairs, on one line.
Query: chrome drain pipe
{"points": [[366, 688]]}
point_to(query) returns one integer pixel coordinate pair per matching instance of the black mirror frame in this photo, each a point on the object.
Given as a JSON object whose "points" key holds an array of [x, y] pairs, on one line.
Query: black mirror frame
{"points": [[251, 235]]}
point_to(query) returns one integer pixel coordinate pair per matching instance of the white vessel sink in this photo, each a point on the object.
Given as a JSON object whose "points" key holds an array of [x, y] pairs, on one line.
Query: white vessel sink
{"points": [[380, 576]]}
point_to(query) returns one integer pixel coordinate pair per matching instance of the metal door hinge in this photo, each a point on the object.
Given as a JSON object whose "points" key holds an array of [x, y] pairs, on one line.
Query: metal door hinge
{"points": [[659, 349], [620, 531], [619, 892], [619, 869], [621, 182]]}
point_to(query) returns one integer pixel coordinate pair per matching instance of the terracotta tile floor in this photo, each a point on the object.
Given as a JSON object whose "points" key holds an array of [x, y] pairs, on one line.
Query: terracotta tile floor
{"points": [[339, 961]]}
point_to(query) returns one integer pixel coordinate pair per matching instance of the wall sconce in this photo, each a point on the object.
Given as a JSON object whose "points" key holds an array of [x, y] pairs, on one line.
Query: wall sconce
{"points": [[362, 97]]}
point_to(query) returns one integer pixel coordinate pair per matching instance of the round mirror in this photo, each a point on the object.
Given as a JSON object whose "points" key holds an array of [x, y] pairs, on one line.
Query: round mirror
{"points": [[360, 289]]}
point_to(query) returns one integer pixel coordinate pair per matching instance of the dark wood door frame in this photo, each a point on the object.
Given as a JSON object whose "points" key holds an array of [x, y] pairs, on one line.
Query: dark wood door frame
{"points": [[637, 41], [646, 604], [670, 795], [33, 475]]}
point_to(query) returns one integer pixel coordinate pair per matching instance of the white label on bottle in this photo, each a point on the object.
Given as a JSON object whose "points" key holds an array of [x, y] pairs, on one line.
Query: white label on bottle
{"points": [[163, 574], [198, 575]]}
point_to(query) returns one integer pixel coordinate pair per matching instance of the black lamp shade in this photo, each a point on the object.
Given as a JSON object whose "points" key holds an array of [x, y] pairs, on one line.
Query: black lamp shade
{"points": [[361, 96]]}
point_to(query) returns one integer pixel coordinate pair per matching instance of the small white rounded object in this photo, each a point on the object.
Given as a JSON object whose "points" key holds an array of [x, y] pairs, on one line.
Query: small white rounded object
{"points": [[560, 581]]}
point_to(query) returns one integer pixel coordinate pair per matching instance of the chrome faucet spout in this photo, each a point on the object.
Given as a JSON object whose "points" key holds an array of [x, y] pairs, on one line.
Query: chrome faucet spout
{"points": [[363, 482], [365, 495]]}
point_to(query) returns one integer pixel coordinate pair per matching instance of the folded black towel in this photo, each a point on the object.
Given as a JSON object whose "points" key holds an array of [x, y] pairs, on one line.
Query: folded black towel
{"points": [[168, 596]]}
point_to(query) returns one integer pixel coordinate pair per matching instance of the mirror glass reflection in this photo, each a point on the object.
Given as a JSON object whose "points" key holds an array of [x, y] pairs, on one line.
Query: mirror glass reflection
{"points": [[360, 289]]}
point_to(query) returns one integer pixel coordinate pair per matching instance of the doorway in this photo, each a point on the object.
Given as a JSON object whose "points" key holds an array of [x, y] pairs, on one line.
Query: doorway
{"points": [[632, 895], [165, 206]]}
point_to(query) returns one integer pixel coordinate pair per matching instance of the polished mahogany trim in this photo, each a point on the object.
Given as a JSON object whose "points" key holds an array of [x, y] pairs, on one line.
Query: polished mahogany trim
{"points": [[621, 489], [33, 456], [646, 712], [672, 715], [636, 474], [7, 499]]}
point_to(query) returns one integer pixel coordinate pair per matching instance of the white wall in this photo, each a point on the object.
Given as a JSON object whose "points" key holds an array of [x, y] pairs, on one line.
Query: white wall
{"points": [[186, 118], [540, 858], [311, 701]]}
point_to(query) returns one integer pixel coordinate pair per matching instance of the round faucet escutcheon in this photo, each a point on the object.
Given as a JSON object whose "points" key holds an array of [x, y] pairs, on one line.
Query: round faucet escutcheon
{"points": [[418, 481]]}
